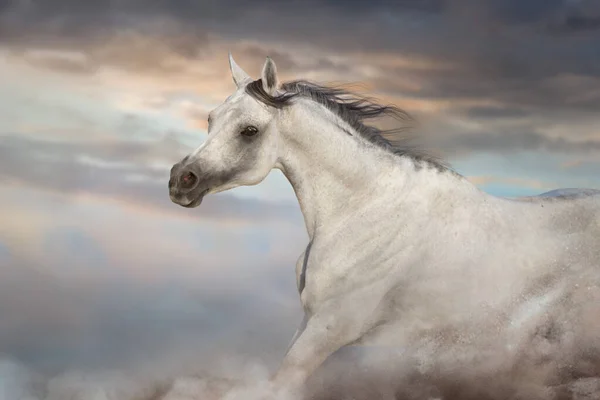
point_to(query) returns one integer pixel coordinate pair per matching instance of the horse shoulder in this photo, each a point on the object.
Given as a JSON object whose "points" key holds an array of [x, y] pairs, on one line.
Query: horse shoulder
{"points": [[348, 264]]}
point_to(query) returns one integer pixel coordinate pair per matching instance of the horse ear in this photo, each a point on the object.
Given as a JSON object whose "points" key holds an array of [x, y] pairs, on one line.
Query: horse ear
{"points": [[240, 78], [270, 81]]}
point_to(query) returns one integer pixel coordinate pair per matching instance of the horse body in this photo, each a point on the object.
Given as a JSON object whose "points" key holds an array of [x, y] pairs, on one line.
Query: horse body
{"points": [[445, 257], [484, 273], [403, 252]]}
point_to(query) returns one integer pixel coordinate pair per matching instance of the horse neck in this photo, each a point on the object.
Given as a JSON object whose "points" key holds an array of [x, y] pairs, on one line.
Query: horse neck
{"points": [[332, 173]]}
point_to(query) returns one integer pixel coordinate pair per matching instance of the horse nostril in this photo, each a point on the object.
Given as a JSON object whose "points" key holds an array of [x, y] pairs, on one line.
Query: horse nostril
{"points": [[188, 180]]}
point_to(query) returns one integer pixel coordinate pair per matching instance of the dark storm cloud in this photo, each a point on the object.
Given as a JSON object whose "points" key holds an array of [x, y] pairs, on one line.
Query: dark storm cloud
{"points": [[210, 9], [517, 11], [496, 112], [584, 18], [532, 58], [70, 168], [4, 4], [510, 142], [504, 49], [374, 24], [577, 23]]}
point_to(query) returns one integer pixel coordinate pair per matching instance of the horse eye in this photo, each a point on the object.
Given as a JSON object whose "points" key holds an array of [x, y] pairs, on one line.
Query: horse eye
{"points": [[249, 131]]}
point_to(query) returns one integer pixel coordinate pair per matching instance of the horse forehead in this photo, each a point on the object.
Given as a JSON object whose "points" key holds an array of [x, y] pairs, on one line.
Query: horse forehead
{"points": [[237, 102]]}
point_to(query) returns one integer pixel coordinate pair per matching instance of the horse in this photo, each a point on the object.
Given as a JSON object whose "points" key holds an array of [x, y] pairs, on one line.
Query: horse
{"points": [[403, 251]]}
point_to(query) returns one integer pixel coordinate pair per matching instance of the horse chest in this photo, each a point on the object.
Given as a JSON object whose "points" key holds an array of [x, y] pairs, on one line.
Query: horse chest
{"points": [[323, 274]]}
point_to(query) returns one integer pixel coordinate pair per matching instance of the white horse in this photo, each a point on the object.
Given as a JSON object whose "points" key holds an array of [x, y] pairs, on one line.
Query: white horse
{"points": [[403, 251]]}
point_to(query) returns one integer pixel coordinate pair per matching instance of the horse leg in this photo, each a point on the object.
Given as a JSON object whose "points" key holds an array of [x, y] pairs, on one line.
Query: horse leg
{"points": [[298, 332], [324, 333]]}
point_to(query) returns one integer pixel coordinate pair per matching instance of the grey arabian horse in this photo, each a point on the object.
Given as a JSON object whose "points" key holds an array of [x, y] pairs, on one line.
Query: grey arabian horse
{"points": [[403, 251]]}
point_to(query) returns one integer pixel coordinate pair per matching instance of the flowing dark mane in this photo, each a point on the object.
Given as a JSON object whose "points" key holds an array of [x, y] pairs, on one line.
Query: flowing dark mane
{"points": [[354, 109]]}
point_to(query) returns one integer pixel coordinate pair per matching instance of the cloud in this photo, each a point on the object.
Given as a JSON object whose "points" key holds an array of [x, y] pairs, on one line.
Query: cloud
{"points": [[407, 27], [19, 382], [95, 282], [135, 51], [486, 112], [70, 62], [131, 171], [100, 270], [506, 142], [426, 55], [486, 373], [577, 23], [101, 259], [583, 166], [579, 17], [101, 285]]}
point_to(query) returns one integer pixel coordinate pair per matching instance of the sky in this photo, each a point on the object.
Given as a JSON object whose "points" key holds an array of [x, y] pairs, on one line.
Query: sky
{"points": [[98, 99]]}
